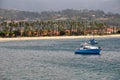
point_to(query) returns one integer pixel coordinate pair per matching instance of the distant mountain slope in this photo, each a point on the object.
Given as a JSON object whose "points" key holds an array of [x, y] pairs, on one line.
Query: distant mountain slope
{"points": [[68, 14], [17, 15]]}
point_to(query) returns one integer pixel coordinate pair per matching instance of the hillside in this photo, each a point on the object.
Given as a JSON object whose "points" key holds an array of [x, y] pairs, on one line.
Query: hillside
{"points": [[17, 15], [68, 14]]}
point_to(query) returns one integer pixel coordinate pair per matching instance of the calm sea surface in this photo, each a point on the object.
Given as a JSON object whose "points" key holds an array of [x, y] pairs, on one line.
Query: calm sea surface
{"points": [[55, 60]]}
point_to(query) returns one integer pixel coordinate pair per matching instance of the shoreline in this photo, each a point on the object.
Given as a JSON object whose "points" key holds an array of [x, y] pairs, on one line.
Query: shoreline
{"points": [[56, 37]]}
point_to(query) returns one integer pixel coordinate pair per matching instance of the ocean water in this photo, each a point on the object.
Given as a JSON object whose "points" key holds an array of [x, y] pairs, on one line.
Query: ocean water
{"points": [[55, 60]]}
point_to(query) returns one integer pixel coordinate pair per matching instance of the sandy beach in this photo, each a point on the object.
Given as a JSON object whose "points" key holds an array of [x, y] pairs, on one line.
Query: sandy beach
{"points": [[56, 37]]}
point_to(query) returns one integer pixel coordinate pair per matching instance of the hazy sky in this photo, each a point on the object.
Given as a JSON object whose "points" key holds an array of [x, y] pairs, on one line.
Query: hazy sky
{"points": [[55, 5]]}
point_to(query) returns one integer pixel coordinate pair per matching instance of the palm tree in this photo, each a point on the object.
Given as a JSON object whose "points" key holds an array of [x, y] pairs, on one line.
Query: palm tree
{"points": [[4, 26]]}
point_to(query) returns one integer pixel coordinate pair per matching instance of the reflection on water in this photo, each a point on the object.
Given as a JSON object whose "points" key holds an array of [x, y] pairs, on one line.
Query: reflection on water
{"points": [[55, 60]]}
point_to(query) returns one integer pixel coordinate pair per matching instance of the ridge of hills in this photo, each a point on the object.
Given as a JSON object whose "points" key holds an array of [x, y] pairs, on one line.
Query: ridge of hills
{"points": [[67, 14]]}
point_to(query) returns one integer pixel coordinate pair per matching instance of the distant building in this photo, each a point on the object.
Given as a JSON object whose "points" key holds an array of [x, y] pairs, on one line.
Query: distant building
{"points": [[109, 30], [102, 19], [62, 18], [1, 17]]}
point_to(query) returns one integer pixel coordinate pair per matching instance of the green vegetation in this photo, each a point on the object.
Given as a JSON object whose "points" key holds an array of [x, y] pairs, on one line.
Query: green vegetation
{"points": [[52, 28], [15, 23]]}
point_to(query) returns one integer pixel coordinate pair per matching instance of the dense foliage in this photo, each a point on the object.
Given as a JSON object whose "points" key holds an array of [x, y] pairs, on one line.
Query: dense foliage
{"points": [[52, 28], [15, 23]]}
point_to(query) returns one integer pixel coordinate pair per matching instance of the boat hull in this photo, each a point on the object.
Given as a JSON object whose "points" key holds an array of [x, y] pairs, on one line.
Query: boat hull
{"points": [[92, 41], [88, 51]]}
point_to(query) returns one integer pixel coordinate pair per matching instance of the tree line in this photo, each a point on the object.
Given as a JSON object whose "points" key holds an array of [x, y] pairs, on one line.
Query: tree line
{"points": [[49, 28]]}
